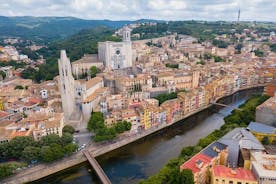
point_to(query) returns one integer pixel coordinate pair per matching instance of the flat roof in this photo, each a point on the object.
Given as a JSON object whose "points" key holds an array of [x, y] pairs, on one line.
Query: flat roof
{"points": [[261, 128]]}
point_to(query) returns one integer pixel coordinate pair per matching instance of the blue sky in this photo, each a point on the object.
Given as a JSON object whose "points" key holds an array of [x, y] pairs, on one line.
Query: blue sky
{"points": [[260, 10]]}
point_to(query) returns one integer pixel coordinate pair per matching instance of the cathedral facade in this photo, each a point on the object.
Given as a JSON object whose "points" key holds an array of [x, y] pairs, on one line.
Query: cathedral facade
{"points": [[116, 55]]}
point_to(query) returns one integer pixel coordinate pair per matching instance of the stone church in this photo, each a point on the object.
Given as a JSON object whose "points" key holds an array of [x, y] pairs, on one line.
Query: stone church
{"points": [[117, 55], [80, 97]]}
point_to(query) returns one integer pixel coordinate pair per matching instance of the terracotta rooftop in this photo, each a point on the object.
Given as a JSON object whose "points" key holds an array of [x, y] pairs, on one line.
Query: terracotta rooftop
{"points": [[196, 162], [93, 82], [238, 173]]}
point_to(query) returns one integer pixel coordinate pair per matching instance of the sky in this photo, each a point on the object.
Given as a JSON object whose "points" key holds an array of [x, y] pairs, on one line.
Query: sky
{"points": [[211, 10]]}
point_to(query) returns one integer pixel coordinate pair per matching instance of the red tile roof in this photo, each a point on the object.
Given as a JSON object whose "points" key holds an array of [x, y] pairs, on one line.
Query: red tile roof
{"points": [[239, 173], [3, 114], [191, 164]]}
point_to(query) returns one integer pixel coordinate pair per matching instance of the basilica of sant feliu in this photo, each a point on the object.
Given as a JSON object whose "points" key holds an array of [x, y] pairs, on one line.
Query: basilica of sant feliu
{"points": [[82, 96]]}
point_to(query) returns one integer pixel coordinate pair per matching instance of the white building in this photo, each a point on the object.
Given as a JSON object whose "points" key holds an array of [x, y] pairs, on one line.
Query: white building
{"points": [[264, 167], [117, 55]]}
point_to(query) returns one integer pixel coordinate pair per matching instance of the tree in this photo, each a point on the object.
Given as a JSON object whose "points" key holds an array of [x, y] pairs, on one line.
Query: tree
{"points": [[70, 148], [127, 125], [46, 154], [93, 71], [186, 176], [18, 87], [180, 177], [96, 121], [259, 53], [18, 144], [66, 138], [120, 127], [31, 153], [3, 74], [68, 129], [50, 139], [57, 151], [5, 170], [265, 140], [51, 153]]}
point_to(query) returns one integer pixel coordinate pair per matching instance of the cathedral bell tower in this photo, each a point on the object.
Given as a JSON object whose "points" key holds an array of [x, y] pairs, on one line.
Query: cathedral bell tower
{"points": [[126, 34], [66, 85]]}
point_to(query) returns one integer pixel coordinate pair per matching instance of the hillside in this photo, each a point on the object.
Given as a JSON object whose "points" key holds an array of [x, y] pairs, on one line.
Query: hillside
{"points": [[85, 41], [47, 29]]}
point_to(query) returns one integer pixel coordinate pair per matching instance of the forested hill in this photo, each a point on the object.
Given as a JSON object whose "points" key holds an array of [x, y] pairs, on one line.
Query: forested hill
{"points": [[47, 29], [85, 41]]}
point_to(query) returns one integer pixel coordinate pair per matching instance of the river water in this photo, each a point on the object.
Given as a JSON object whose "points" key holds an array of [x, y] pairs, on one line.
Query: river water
{"points": [[137, 161]]}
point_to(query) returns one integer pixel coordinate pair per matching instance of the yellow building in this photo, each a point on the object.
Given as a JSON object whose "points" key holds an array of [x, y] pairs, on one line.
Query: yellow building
{"points": [[260, 131], [224, 175]]}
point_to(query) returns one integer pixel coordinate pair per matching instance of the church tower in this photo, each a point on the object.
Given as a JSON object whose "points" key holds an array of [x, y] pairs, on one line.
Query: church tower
{"points": [[126, 34], [66, 85]]}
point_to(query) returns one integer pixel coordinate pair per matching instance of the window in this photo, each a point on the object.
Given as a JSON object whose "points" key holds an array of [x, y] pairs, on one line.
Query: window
{"points": [[231, 182], [239, 183]]}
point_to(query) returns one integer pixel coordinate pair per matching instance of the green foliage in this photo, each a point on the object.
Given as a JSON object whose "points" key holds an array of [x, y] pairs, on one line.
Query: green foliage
{"points": [[93, 71], [105, 134], [31, 54], [201, 62], [265, 140], [171, 65], [96, 121], [273, 47], [122, 126], [46, 29], [70, 148], [31, 153], [51, 153], [246, 114], [18, 144], [220, 43], [49, 148], [14, 64], [83, 42], [3, 74], [207, 56], [7, 169], [50, 139], [163, 97], [259, 53], [66, 138], [68, 129], [18, 87], [102, 133], [239, 47], [218, 59]]}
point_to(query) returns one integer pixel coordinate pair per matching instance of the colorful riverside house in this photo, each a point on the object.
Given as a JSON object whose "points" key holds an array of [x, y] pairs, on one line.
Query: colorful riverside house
{"points": [[146, 118], [225, 175], [172, 107]]}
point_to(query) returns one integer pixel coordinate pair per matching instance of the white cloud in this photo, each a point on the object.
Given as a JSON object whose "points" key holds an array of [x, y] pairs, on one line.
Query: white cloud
{"points": [[136, 9]]}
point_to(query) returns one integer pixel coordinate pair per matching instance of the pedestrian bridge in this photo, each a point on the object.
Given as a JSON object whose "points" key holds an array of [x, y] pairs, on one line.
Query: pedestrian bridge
{"points": [[224, 105], [99, 171]]}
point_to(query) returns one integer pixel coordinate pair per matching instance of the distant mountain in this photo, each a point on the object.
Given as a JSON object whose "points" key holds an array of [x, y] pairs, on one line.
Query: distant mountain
{"points": [[46, 29]]}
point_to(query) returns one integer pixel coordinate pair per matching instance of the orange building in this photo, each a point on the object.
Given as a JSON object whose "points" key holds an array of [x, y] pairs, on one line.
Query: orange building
{"points": [[225, 175], [270, 89]]}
